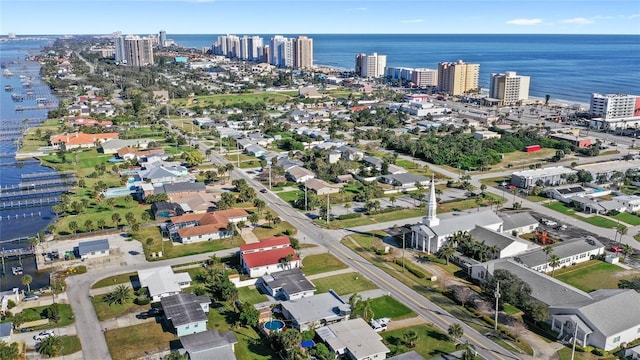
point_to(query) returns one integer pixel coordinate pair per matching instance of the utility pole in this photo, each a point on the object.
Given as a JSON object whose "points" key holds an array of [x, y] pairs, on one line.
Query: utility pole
{"points": [[328, 209], [403, 234], [305, 198], [497, 295], [238, 150], [269, 176], [575, 336]]}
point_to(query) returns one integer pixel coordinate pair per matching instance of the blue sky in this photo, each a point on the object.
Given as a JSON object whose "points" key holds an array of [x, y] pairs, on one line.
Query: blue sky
{"points": [[320, 16]]}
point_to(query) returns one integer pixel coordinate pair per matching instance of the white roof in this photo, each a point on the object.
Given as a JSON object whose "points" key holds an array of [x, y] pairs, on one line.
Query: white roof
{"points": [[550, 171], [354, 335], [607, 166], [162, 280]]}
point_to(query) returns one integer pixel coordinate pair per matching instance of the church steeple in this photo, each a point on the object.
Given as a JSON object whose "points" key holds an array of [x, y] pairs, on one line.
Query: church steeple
{"points": [[431, 219]]}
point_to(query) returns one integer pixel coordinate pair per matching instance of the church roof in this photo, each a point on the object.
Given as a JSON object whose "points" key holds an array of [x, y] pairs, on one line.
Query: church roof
{"points": [[465, 222]]}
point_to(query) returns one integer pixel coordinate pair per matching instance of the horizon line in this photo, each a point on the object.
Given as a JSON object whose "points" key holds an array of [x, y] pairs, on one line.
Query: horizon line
{"points": [[289, 33]]}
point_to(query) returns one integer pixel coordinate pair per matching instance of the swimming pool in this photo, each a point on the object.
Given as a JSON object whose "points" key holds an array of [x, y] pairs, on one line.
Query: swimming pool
{"points": [[274, 325]]}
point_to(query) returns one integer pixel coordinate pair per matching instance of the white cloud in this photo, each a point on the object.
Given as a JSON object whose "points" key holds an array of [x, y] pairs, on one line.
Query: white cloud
{"points": [[578, 21], [412, 21], [633, 16], [525, 22]]}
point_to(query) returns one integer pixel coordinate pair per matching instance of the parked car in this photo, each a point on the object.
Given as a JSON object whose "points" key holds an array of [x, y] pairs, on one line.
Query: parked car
{"points": [[43, 334], [30, 298], [379, 325], [264, 191], [616, 249], [155, 311]]}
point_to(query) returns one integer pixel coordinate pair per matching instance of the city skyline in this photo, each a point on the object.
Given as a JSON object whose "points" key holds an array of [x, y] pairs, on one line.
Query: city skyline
{"points": [[321, 17]]}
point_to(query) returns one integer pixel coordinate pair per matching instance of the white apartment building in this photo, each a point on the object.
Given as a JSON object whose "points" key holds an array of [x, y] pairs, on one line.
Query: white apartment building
{"points": [[423, 78], [303, 52], [615, 110], [371, 66], [512, 89]]}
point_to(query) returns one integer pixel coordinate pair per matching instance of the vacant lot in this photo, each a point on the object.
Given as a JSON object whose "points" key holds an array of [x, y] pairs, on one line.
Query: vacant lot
{"points": [[389, 307], [628, 218], [320, 263], [343, 284], [137, 341]]}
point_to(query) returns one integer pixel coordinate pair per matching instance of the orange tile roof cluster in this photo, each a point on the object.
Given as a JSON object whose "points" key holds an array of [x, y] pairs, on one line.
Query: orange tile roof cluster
{"points": [[267, 243], [80, 138], [209, 222], [270, 257]]}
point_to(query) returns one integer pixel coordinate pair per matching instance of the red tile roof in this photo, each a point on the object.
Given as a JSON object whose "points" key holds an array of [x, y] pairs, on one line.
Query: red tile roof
{"points": [[80, 138], [201, 230], [270, 257], [266, 243]]}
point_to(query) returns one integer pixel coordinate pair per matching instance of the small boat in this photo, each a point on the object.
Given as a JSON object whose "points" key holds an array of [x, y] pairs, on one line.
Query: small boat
{"points": [[7, 73], [17, 270], [8, 88]]}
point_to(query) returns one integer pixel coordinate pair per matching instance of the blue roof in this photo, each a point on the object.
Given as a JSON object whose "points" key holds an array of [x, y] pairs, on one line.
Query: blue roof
{"points": [[307, 344], [92, 246]]}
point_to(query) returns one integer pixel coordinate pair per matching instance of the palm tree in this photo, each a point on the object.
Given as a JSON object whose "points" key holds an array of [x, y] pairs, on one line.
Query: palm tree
{"points": [[392, 199], [50, 346], [367, 311], [354, 300], [626, 250], [268, 217], [120, 295], [455, 332], [547, 250], [554, 262], [253, 219], [469, 350], [622, 230], [446, 252], [27, 280], [410, 338]]}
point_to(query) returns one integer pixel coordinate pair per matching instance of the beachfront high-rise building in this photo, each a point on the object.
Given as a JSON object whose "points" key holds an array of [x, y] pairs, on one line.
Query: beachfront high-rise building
{"points": [[614, 106], [162, 38], [303, 53], [457, 78], [510, 88], [370, 66], [134, 51], [424, 78]]}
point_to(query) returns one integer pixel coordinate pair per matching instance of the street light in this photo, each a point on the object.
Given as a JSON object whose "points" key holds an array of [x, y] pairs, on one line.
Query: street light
{"points": [[496, 293]]}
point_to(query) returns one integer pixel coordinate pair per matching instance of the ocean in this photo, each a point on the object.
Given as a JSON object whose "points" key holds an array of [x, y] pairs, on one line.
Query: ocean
{"points": [[567, 67]]}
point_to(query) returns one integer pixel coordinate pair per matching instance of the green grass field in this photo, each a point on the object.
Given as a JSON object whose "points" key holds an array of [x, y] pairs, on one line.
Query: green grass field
{"points": [[116, 280], [321, 263], [229, 100], [137, 341], [105, 311], [70, 344], [386, 306], [595, 220], [252, 296], [264, 231], [290, 196], [630, 219], [65, 316], [591, 275], [431, 341], [343, 284]]}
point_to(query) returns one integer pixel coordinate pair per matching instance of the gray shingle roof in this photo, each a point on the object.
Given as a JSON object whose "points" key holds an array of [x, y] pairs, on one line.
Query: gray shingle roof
{"points": [[514, 221], [562, 250], [291, 281], [184, 309], [184, 186], [314, 308], [465, 222], [406, 178], [209, 345], [491, 237]]}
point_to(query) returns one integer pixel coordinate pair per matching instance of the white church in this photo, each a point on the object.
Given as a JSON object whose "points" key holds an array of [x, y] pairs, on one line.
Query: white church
{"points": [[433, 232]]}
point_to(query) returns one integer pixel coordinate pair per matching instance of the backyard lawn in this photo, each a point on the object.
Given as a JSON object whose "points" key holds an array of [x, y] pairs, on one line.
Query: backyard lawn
{"points": [[251, 295], [290, 196], [137, 341], [343, 284], [65, 316], [591, 275], [70, 344], [320, 263], [431, 342], [388, 307], [264, 231]]}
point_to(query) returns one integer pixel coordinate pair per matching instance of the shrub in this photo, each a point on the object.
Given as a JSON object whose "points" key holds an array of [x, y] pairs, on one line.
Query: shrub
{"points": [[410, 268], [349, 216], [142, 300], [599, 352]]}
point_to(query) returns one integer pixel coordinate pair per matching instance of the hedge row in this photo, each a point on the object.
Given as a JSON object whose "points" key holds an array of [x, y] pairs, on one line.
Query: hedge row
{"points": [[349, 216], [412, 269]]}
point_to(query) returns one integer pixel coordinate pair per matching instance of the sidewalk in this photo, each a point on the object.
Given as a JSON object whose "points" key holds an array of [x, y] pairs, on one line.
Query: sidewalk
{"points": [[330, 273]]}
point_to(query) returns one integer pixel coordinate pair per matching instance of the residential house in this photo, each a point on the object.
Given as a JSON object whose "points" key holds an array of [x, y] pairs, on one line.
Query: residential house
{"points": [[351, 153], [300, 174], [334, 156], [129, 153], [312, 312], [79, 140], [113, 145], [567, 193], [162, 281], [591, 205], [191, 228], [6, 330], [484, 135], [373, 162], [209, 345], [268, 256], [181, 189], [6, 295], [309, 92], [186, 312], [93, 249], [604, 171], [633, 353], [353, 339], [405, 180], [518, 223], [395, 169], [288, 284], [630, 202], [197, 203], [344, 179], [569, 253], [164, 209], [255, 150], [413, 355], [321, 187]]}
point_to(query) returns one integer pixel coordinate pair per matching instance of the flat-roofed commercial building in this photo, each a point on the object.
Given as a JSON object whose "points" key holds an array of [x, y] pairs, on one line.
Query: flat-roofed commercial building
{"points": [[613, 111], [550, 176]]}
